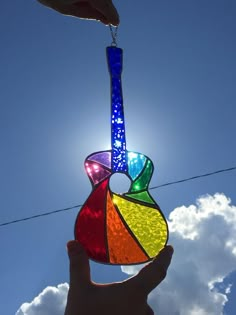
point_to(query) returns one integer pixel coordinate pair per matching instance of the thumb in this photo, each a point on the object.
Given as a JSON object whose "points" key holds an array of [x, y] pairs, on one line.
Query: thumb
{"points": [[155, 272], [79, 265]]}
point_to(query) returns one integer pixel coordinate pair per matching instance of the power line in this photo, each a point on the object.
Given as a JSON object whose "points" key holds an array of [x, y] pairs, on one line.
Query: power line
{"points": [[194, 177], [40, 215], [151, 188]]}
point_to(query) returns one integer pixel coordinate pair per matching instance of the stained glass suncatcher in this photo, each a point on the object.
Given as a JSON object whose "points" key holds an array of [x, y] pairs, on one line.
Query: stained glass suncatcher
{"points": [[116, 228]]}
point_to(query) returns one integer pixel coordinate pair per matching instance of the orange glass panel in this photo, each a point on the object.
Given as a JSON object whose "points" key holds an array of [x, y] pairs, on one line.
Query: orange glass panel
{"points": [[123, 248]]}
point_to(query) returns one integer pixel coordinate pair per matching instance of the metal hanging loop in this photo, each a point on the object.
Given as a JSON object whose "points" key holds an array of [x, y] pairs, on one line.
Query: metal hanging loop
{"points": [[113, 31]]}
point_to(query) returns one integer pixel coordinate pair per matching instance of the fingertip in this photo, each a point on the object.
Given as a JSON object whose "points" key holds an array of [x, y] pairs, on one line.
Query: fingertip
{"points": [[115, 21], [111, 21], [163, 259], [169, 249], [164, 256], [74, 247], [109, 12], [79, 264], [70, 243]]}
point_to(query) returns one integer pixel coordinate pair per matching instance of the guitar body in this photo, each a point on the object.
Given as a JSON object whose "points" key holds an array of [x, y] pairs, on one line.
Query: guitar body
{"points": [[120, 228], [124, 228]]}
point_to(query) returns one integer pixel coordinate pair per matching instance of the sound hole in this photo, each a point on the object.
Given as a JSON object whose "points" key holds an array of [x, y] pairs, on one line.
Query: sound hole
{"points": [[119, 183]]}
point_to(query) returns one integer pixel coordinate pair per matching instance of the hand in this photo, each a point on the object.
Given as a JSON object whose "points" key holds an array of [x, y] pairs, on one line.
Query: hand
{"points": [[100, 10], [124, 298]]}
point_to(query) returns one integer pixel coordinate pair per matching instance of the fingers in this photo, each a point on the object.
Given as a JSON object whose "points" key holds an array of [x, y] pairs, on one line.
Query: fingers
{"points": [[107, 9], [154, 273], [101, 10], [79, 266], [84, 10]]}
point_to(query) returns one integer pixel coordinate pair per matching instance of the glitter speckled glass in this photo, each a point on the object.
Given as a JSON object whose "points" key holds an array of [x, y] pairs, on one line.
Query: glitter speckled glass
{"points": [[116, 228]]}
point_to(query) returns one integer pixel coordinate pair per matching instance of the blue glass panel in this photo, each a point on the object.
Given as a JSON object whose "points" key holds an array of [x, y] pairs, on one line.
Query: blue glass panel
{"points": [[118, 142], [136, 162]]}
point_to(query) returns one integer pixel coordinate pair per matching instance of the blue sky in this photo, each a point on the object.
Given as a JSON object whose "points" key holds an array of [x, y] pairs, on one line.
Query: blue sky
{"points": [[179, 89]]}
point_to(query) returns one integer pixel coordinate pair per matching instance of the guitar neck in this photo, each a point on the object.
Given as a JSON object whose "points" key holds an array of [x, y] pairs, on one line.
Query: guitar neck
{"points": [[118, 141]]}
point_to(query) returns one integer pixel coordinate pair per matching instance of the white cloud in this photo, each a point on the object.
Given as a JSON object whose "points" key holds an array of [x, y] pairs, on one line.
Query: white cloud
{"points": [[51, 301], [203, 236]]}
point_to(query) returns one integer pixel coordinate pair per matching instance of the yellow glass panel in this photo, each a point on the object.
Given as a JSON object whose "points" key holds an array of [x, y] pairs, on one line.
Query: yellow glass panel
{"points": [[146, 223], [123, 248]]}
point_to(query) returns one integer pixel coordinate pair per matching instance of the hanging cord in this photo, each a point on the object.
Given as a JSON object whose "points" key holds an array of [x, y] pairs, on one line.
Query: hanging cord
{"points": [[113, 31]]}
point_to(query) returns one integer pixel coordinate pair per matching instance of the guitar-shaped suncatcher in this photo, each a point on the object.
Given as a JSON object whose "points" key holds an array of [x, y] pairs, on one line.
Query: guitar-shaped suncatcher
{"points": [[116, 228]]}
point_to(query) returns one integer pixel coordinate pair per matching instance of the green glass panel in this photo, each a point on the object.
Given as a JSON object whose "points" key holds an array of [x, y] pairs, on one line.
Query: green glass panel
{"points": [[142, 196], [143, 180]]}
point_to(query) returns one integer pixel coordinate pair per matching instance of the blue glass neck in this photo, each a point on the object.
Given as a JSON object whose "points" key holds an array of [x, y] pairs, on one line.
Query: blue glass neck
{"points": [[118, 142]]}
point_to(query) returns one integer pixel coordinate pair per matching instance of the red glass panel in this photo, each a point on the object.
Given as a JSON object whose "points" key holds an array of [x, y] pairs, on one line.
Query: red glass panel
{"points": [[90, 224]]}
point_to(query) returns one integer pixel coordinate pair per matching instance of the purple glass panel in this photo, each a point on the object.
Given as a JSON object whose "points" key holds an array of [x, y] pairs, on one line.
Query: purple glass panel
{"points": [[102, 158], [96, 171]]}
